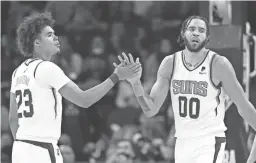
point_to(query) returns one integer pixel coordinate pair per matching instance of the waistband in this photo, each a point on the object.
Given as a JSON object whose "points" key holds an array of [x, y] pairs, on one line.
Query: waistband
{"points": [[48, 146]]}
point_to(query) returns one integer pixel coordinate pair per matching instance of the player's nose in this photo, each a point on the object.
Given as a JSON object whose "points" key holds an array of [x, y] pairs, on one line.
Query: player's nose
{"points": [[56, 38], [195, 33]]}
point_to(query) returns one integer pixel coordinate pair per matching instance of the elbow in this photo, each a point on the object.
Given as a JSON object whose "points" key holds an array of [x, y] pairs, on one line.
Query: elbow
{"points": [[151, 113], [85, 105]]}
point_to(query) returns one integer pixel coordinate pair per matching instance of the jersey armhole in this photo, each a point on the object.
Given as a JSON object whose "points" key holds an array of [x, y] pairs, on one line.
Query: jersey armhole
{"points": [[14, 72], [211, 69], [173, 66], [36, 68]]}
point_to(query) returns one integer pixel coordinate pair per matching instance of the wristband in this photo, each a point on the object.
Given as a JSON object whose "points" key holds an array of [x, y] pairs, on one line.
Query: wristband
{"points": [[114, 78]]}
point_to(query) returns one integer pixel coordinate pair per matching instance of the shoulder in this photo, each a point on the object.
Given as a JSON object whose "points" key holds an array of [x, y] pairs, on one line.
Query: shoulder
{"points": [[170, 59], [14, 73], [222, 67], [166, 67], [219, 61], [47, 67]]}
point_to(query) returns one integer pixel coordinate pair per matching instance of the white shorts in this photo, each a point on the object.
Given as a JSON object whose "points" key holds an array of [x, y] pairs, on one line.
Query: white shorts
{"points": [[35, 152], [208, 149]]}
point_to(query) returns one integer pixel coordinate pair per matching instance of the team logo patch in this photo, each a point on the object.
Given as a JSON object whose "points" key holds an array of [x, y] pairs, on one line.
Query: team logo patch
{"points": [[203, 70]]}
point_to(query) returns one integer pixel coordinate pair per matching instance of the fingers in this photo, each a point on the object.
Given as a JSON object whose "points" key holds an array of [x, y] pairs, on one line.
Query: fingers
{"points": [[137, 70], [137, 60], [126, 59], [120, 59], [131, 58], [134, 66], [115, 64]]}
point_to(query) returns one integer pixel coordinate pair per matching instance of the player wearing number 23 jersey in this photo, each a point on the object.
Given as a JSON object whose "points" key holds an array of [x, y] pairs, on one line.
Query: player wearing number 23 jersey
{"points": [[39, 104], [37, 88]]}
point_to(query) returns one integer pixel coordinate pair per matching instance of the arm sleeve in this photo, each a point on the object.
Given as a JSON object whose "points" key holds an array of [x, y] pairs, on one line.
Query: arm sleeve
{"points": [[51, 74]]}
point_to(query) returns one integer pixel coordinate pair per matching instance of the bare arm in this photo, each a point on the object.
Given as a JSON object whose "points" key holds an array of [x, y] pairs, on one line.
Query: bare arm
{"points": [[234, 90], [152, 103], [73, 93], [13, 115], [52, 75], [252, 156]]}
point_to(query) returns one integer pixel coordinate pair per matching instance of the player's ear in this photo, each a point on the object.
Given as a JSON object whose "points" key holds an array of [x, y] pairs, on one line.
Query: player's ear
{"points": [[182, 33], [208, 39], [36, 42]]}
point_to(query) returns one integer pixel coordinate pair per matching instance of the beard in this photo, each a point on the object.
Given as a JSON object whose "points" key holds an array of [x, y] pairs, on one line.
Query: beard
{"points": [[194, 48]]}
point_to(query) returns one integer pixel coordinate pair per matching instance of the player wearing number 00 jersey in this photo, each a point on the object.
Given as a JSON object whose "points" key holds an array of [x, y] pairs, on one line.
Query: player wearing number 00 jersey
{"points": [[196, 78], [37, 88], [198, 111], [198, 102]]}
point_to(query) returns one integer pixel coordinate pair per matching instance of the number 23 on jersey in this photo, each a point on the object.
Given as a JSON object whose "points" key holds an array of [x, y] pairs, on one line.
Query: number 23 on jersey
{"points": [[24, 97]]}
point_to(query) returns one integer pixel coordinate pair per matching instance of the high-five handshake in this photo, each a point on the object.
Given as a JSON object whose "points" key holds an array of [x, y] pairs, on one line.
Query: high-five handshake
{"points": [[128, 68]]}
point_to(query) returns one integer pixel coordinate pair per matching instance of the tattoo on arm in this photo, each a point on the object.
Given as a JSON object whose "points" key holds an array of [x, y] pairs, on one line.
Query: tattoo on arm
{"points": [[143, 103]]}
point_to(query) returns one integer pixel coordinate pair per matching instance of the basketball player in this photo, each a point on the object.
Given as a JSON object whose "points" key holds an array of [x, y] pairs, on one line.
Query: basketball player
{"points": [[36, 92], [196, 78]]}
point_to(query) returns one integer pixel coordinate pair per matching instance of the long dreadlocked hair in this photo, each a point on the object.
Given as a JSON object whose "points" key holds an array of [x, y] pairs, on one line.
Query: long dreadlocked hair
{"points": [[185, 25]]}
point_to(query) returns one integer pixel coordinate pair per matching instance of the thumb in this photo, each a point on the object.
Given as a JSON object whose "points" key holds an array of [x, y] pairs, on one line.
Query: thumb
{"points": [[137, 60], [115, 64]]}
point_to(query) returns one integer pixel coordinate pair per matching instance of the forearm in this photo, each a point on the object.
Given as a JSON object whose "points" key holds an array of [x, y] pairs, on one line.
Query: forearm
{"points": [[94, 94], [144, 100], [248, 112], [253, 150]]}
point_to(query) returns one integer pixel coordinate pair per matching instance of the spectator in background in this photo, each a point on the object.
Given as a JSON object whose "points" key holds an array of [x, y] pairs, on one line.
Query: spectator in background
{"points": [[95, 69], [63, 13], [6, 146], [117, 30], [68, 154], [65, 139], [124, 153], [71, 135], [4, 117], [69, 61]]}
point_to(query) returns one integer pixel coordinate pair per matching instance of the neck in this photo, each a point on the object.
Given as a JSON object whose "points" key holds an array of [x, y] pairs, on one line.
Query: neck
{"points": [[42, 56], [194, 57]]}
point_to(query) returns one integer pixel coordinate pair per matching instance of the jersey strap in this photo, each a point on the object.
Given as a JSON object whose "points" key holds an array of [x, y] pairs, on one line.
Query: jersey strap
{"points": [[173, 66], [36, 68], [27, 62]]}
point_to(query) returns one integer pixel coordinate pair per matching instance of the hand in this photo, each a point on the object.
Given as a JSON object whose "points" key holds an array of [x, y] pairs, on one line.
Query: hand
{"points": [[127, 62], [124, 71]]}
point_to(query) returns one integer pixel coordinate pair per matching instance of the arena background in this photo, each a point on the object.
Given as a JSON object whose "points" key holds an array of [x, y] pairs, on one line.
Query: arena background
{"points": [[92, 34]]}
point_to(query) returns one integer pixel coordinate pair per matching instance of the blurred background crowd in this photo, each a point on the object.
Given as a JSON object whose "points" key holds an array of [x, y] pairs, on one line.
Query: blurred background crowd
{"points": [[91, 35]]}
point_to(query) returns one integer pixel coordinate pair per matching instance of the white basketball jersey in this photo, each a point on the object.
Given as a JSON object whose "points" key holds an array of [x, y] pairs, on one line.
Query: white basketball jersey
{"points": [[39, 105], [198, 104]]}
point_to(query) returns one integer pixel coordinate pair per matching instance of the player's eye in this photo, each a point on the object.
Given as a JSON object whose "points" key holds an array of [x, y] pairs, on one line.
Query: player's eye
{"points": [[191, 29], [201, 30]]}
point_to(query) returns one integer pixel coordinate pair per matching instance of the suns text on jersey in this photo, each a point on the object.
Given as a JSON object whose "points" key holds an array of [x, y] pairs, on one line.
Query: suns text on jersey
{"points": [[22, 80], [190, 87]]}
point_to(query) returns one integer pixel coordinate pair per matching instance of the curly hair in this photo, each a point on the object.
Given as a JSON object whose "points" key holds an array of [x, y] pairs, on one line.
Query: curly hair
{"points": [[29, 30], [185, 25]]}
